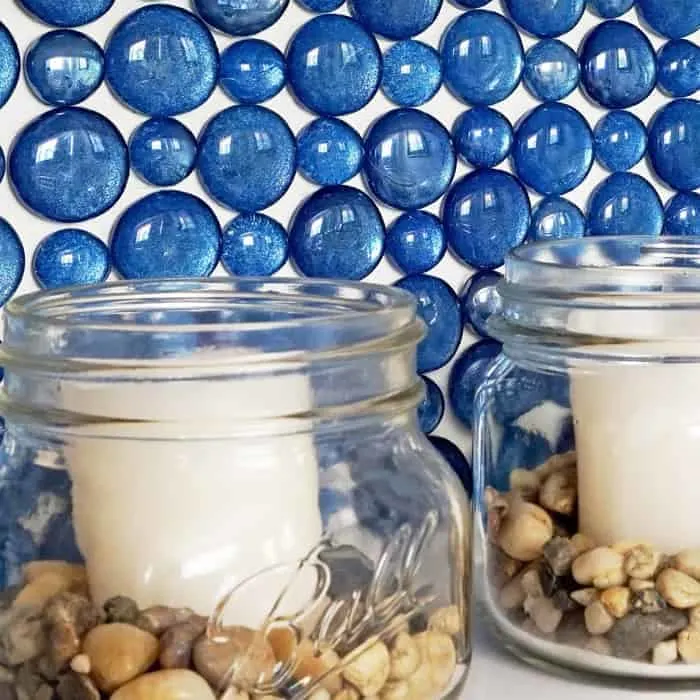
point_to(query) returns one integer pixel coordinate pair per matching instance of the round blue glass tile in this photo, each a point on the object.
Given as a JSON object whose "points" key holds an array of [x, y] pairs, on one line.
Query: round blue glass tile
{"points": [[671, 18], [554, 218], [163, 151], [609, 9], [679, 68], [252, 71], [551, 70], [416, 242], [546, 18], [674, 144], [486, 214], [482, 136], [625, 204], [409, 159], [620, 141], [253, 245], [482, 57], [412, 73], [321, 5], [11, 261], [70, 257], [480, 300], [337, 233], [247, 157], [69, 164], [61, 13], [241, 18], [618, 65], [330, 152], [334, 65], [395, 20], [438, 306], [454, 457], [162, 61], [166, 234], [9, 64], [432, 407], [683, 215], [553, 149]]}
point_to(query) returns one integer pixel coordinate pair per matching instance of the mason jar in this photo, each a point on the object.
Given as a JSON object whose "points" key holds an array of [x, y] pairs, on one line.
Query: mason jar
{"points": [[219, 489]]}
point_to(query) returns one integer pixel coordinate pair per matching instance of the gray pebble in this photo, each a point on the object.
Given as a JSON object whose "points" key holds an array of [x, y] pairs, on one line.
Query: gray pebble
{"points": [[564, 601], [69, 617], [559, 553], [636, 635], [23, 638], [572, 629], [73, 686], [121, 609], [648, 601]]}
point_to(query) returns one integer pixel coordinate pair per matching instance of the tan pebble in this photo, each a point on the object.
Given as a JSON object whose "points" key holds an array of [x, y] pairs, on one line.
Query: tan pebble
{"points": [[369, 670], [625, 546], [81, 664], [617, 601], [689, 645], [582, 543], [558, 492], [421, 684], [601, 567], [40, 590], [555, 463], [447, 620], [526, 482], [665, 653], [316, 665], [177, 643], [532, 585], [178, 684], [395, 690], [118, 653], [405, 657], [694, 616], [75, 573], [320, 694], [598, 620], [233, 693], [642, 561], [678, 589], [599, 645], [544, 614], [347, 693], [688, 561], [585, 596], [525, 531], [283, 641], [512, 595], [438, 650], [637, 585]]}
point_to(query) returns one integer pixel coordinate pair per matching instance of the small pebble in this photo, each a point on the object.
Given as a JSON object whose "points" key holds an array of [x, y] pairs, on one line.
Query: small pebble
{"points": [[558, 492], [636, 585], [689, 645], [617, 601], [396, 690], [555, 463], [439, 654], [512, 595], [602, 567], [642, 562], [81, 664], [694, 616], [564, 602], [598, 620], [121, 609], [526, 482], [525, 531], [599, 645], [369, 670], [74, 686], [177, 642], [22, 637], [572, 629], [447, 620], [532, 584], [634, 636], [175, 684], [665, 653], [560, 553], [38, 592], [347, 693], [688, 562], [678, 589], [582, 543], [544, 614], [405, 658], [585, 596], [159, 618], [647, 601]]}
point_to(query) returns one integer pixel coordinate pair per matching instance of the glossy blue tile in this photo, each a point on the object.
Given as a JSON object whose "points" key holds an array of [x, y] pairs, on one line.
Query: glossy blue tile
{"points": [[479, 300], [9, 64], [252, 71], [682, 216], [253, 245], [337, 233], [334, 65], [482, 57], [518, 449], [432, 408], [609, 9], [482, 136], [162, 61], [412, 73], [679, 68], [455, 458], [551, 70], [69, 164], [166, 234], [67, 13], [671, 18], [546, 18], [11, 261], [241, 18], [247, 157], [620, 140], [395, 20], [409, 159], [554, 218], [416, 242], [321, 5]]}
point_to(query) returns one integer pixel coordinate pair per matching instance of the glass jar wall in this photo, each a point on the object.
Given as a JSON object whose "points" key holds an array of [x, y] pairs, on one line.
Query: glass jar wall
{"points": [[219, 489]]}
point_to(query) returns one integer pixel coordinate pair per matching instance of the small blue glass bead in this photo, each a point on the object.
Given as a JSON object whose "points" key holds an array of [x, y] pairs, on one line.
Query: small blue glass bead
{"points": [[620, 141], [483, 137], [321, 5], [480, 300], [409, 159], [241, 18], [454, 457], [416, 242], [9, 64], [412, 73], [683, 215], [162, 61], [672, 18], [609, 9], [252, 71], [337, 233], [482, 57], [254, 245], [166, 234], [70, 257], [486, 214], [163, 151], [618, 65], [247, 157], [553, 149], [432, 408], [438, 307], [554, 218], [395, 20], [551, 70], [69, 164], [674, 144], [679, 68], [546, 18], [11, 261], [334, 65], [625, 204], [330, 152], [62, 13]]}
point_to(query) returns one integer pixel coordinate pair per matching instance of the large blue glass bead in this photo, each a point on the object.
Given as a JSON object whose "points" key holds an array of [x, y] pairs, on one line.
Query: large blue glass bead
{"points": [[546, 18], [482, 57], [609, 9], [432, 407], [554, 218], [486, 214], [241, 17], [482, 136], [454, 457], [334, 65], [9, 64], [321, 5], [674, 144], [395, 20], [412, 73], [683, 215], [551, 70], [254, 245], [11, 261], [672, 18], [163, 151], [67, 13], [409, 159], [330, 151], [162, 61], [679, 68], [620, 141], [480, 300], [618, 65], [625, 204], [166, 234], [553, 149], [416, 242], [252, 71], [337, 233], [70, 257], [438, 307], [69, 164], [247, 157]]}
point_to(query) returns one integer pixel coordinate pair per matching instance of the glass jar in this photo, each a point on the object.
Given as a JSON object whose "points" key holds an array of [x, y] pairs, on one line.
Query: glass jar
{"points": [[586, 435], [219, 489]]}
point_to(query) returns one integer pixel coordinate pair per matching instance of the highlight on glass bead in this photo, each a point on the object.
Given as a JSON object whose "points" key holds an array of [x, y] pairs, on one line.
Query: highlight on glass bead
{"points": [[162, 61], [9, 64], [480, 300], [247, 157], [329, 151], [554, 218], [67, 13], [334, 65], [166, 234], [482, 57], [252, 71], [682, 217], [70, 257], [253, 245], [551, 70], [432, 407], [241, 18], [452, 454], [671, 18], [416, 242], [620, 140], [11, 261], [482, 136], [395, 20], [679, 68], [546, 18], [412, 73], [409, 159], [321, 5], [609, 9], [163, 151]]}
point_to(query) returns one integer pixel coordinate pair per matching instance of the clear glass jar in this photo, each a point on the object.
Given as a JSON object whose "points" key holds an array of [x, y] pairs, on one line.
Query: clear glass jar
{"points": [[586, 439], [219, 489]]}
